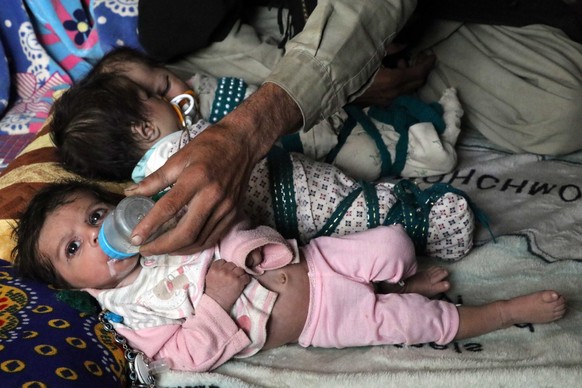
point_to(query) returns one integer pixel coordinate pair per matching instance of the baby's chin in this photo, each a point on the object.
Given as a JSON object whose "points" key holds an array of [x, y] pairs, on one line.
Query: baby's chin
{"points": [[124, 271]]}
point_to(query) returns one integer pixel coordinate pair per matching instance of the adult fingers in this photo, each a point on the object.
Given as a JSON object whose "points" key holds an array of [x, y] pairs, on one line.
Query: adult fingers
{"points": [[165, 209], [208, 236], [203, 224]]}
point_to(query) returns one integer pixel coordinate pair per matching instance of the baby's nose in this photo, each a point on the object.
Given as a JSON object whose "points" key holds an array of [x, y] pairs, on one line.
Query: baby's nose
{"points": [[94, 236]]}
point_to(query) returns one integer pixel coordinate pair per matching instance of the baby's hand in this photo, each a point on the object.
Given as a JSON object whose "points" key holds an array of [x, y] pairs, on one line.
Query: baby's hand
{"points": [[225, 283], [254, 258]]}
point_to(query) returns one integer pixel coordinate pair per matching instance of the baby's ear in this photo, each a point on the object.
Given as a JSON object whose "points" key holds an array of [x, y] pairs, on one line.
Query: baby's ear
{"points": [[146, 132]]}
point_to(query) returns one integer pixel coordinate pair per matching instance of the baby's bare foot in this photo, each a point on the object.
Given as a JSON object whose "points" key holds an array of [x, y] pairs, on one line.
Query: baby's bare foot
{"points": [[428, 283], [539, 307]]}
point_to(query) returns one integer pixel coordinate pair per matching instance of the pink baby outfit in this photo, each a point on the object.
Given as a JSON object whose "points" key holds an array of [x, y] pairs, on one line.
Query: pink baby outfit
{"points": [[166, 313], [344, 310], [166, 317]]}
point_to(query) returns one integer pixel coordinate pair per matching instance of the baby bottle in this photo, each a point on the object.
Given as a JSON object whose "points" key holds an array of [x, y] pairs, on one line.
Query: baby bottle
{"points": [[115, 233]]}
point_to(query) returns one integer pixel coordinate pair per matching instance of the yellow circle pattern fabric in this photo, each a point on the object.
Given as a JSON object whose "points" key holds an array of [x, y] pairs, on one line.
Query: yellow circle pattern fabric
{"points": [[46, 343]]}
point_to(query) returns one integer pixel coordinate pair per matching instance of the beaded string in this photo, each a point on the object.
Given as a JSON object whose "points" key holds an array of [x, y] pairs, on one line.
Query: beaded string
{"points": [[411, 210], [371, 198], [413, 206], [292, 143], [386, 167], [129, 353], [283, 192], [342, 137], [404, 112], [87, 304], [401, 122], [229, 94], [285, 205]]}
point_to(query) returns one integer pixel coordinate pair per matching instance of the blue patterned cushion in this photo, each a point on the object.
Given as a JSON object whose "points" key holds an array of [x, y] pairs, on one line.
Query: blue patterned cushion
{"points": [[46, 343]]}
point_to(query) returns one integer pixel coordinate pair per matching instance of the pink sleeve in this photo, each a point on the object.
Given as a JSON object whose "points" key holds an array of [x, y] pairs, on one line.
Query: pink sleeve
{"points": [[203, 342], [242, 240]]}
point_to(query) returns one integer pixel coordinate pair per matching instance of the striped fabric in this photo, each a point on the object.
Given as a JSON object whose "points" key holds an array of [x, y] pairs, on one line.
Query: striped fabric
{"points": [[10, 147]]}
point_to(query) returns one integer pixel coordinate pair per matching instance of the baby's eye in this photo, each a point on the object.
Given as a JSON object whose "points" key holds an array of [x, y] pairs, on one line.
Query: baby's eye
{"points": [[72, 248], [96, 216], [167, 87]]}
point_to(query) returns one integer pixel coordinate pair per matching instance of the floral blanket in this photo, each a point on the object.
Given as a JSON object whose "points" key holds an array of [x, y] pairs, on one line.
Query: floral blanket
{"points": [[46, 45]]}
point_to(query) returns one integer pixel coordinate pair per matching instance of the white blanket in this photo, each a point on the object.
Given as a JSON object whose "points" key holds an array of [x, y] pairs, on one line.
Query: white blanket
{"points": [[535, 211], [529, 195]]}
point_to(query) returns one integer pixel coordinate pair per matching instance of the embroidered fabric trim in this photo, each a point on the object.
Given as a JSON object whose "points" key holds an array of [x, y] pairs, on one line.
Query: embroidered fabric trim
{"points": [[230, 92]]}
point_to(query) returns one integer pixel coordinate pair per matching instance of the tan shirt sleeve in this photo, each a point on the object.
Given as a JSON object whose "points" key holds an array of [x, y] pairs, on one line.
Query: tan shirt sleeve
{"points": [[334, 58]]}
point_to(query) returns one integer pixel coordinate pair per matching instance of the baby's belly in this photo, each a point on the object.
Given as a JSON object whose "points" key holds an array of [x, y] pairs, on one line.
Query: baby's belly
{"points": [[291, 278], [290, 311]]}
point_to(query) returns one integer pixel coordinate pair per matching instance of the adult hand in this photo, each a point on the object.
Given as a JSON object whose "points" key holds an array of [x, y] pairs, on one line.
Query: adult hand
{"points": [[225, 283], [210, 174], [390, 83]]}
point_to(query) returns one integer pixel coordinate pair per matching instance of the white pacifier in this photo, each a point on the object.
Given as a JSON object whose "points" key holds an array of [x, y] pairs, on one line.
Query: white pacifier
{"points": [[184, 104]]}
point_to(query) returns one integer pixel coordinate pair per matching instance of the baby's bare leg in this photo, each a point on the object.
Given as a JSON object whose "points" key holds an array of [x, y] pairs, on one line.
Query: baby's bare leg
{"points": [[539, 307], [290, 311], [429, 283]]}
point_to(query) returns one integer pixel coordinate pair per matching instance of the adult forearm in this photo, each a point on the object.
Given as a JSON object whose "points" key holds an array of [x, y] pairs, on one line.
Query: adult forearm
{"points": [[264, 117]]}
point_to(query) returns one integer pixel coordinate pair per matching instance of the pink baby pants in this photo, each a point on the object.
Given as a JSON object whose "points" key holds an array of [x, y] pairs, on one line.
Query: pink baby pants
{"points": [[344, 310]]}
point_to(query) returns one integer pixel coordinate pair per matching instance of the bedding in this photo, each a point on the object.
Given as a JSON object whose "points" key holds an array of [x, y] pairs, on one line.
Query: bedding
{"points": [[46, 342], [535, 213], [47, 45], [533, 204]]}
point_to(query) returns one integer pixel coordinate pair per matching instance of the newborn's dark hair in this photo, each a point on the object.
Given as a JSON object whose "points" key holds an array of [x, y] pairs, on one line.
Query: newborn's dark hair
{"points": [[92, 123]]}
